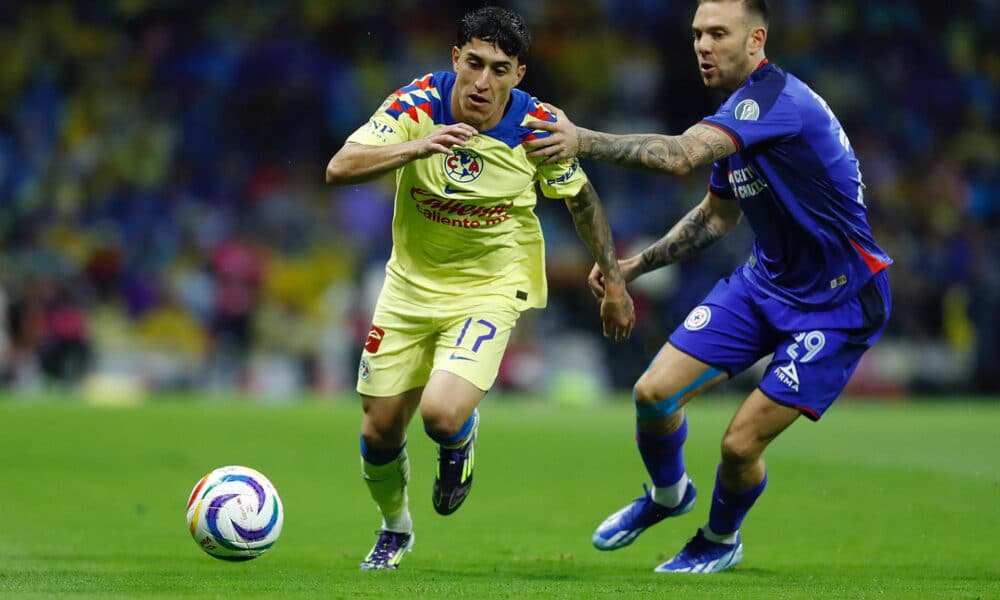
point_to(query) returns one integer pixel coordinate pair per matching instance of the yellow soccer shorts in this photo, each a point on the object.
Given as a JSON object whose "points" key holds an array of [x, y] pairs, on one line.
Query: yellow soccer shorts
{"points": [[407, 342]]}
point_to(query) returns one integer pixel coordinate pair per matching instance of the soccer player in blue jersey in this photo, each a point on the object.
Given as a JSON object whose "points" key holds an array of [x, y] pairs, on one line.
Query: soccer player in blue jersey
{"points": [[467, 259], [814, 293]]}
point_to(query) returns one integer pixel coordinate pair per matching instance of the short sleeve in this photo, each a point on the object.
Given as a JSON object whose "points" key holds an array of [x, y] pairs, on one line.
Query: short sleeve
{"points": [[718, 182], [758, 112], [382, 129], [563, 179]]}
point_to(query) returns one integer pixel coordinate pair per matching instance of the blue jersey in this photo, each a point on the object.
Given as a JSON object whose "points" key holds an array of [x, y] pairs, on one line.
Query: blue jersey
{"points": [[799, 185]]}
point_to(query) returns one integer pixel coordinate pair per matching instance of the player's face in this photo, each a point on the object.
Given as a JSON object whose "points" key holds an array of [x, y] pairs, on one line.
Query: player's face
{"points": [[728, 50], [485, 76]]}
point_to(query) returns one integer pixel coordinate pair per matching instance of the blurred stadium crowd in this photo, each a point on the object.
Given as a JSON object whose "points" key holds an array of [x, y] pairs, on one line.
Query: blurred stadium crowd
{"points": [[163, 215]]}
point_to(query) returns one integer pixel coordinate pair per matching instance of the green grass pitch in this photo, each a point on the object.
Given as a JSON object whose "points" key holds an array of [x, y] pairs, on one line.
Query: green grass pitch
{"points": [[876, 501]]}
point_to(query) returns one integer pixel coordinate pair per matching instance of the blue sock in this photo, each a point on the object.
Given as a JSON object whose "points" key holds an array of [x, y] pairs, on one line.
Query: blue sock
{"points": [[730, 508], [663, 456], [456, 440], [379, 457]]}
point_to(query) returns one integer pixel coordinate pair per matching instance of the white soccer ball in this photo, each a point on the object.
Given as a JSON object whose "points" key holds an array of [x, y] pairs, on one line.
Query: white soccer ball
{"points": [[234, 513]]}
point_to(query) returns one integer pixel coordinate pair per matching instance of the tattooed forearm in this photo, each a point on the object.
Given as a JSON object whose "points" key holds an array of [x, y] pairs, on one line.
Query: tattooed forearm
{"points": [[678, 155], [592, 226], [688, 237]]}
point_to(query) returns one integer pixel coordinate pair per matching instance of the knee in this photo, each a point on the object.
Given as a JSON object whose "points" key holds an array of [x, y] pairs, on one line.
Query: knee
{"points": [[740, 448], [646, 391], [657, 403], [643, 394], [442, 419], [375, 437], [383, 429]]}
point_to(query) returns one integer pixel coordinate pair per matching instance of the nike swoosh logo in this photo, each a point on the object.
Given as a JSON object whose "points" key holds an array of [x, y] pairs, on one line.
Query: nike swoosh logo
{"points": [[454, 357], [450, 190]]}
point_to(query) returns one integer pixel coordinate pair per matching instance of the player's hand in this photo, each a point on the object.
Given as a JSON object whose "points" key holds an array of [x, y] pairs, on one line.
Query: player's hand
{"points": [[617, 312], [629, 268], [441, 140], [562, 144], [595, 281]]}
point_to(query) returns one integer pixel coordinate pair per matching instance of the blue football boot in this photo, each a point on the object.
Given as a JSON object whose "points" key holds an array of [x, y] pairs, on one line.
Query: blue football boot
{"points": [[623, 527], [701, 555]]}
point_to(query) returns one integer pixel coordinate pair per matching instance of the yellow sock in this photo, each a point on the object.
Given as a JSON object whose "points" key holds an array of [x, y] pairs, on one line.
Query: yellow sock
{"points": [[387, 486]]}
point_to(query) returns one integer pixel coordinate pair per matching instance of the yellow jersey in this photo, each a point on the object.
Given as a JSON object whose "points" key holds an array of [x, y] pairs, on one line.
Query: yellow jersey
{"points": [[464, 228]]}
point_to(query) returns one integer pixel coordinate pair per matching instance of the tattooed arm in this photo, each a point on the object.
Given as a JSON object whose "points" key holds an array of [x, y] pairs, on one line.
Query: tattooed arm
{"points": [[617, 313], [699, 146], [713, 218]]}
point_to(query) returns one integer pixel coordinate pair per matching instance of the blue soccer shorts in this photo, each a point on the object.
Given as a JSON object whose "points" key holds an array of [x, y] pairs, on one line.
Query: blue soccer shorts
{"points": [[815, 352]]}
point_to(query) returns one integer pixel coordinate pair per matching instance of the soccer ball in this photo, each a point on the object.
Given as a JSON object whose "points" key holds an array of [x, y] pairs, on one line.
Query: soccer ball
{"points": [[234, 513]]}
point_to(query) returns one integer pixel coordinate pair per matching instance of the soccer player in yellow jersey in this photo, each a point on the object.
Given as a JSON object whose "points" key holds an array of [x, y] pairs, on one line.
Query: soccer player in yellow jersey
{"points": [[467, 259]]}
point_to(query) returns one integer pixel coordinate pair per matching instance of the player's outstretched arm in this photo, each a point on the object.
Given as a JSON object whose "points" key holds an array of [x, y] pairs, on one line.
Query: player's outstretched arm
{"points": [[712, 219], [699, 146], [706, 223], [357, 163], [617, 312]]}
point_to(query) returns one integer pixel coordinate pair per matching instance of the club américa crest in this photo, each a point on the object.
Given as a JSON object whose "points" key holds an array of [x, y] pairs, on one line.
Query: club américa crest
{"points": [[464, 166]]}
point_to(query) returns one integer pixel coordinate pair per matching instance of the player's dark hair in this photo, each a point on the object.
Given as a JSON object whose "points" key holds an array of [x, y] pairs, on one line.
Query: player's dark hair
{"points": [[753, 7], [501, 27]]}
